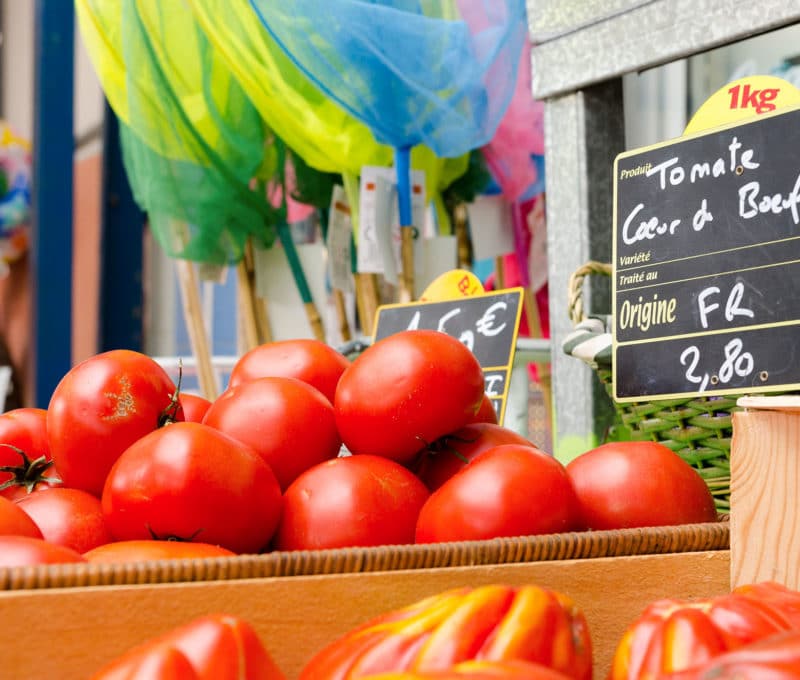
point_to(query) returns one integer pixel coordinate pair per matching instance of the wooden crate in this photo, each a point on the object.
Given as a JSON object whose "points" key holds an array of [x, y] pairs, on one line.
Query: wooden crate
{"points": [[87, 614]]}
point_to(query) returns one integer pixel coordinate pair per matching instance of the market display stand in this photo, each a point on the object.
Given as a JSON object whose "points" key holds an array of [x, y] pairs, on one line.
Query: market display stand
{"points": [[581, 50], [81, 628]]}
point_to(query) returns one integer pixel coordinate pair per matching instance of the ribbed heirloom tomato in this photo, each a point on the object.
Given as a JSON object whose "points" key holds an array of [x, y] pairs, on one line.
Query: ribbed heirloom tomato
{"points": [[101, 407], [406, 391]]}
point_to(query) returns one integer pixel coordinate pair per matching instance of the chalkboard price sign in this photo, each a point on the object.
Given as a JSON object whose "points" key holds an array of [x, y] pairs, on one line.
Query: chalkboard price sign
{"points": [[488, 324], [707, 263]]}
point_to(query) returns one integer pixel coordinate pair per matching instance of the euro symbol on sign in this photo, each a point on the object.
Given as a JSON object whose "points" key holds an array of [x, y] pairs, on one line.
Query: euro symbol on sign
{"points": [[485, 326]]}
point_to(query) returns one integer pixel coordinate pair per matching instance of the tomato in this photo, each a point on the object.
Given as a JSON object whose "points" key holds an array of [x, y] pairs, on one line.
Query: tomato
{"points": [[25, 460], [68, 517], [156, 663], [21, 551], [451, 453], [486, 412], [102, 406], [480, 670], [146, 550], [638, 484], [289, 423], [406, 391], [194, 407], [776, 595], [351, 501], [14, 521], [192, 482], [308, 360], [487, 623], [509, 490], [217, 647], [676, 635]]}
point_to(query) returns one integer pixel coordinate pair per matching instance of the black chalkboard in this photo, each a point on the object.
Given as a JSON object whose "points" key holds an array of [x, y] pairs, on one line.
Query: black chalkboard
{"points": [[707, 262], [488, 324]]}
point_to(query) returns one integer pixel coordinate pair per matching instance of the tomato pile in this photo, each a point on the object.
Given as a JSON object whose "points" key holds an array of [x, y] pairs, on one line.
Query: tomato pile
{"points": [[305, 450]]}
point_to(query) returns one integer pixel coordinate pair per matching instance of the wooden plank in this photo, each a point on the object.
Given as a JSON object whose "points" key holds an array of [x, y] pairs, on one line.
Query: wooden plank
{"points": [[296, 616], [765, 482]]}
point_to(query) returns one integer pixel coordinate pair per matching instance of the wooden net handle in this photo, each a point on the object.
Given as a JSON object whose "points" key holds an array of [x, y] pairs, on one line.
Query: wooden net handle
{"points": [[575, 286]]}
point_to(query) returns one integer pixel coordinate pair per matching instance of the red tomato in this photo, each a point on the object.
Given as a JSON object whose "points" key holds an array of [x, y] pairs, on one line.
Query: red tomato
{"points": [[101, 407], [454, 451], [147, 550], [486, 413], [156, 663], [492, 623], [194, 407], [24, 452], [311, 361], [14, 521], [480, 670], [351, 501], [21, 551], [406, 391], [192, 482], [218, 647], [509, 490], [289, 423], [68, 517], [638, 484]]}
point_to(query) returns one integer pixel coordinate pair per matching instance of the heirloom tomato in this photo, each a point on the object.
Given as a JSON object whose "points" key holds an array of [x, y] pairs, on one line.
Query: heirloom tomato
{"points": [[453, 452], [350, 501], [405, 391], [21, 551], [14, 521], [25, 461], [487, 623], [189, 481], [148, 549], [68, 517], [217, 647], [638, 484], [508, 490], [308, 360], [102, 406], [677, 635], [480, 670], [194, 407], [289, 423]]}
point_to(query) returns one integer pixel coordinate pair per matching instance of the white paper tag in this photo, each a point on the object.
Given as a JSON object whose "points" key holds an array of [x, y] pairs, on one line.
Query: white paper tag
{"points": [[275, 283], [340, 229], [439, 255], [379, 219], [491, 227]]}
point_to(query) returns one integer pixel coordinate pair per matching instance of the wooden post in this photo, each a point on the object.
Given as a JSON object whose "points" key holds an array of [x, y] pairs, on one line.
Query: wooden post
{"points": [[765, 480]]}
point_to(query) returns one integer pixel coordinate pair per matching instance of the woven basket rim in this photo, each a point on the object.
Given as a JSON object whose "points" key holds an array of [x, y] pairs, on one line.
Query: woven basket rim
{"points": [[547, 547]]}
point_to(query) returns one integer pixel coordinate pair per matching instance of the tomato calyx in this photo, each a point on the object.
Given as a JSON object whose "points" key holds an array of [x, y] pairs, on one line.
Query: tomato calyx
{"points": [[28, 473], [444, 445], [170, 414], [172, 537]]}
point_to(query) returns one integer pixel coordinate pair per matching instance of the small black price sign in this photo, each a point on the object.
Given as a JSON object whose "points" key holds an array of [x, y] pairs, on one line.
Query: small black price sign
{"points": [[707, 262], [488, 324]]}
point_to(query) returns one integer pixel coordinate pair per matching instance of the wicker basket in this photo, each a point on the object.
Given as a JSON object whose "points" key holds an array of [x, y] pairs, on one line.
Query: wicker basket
{"points": [[699, 429]]}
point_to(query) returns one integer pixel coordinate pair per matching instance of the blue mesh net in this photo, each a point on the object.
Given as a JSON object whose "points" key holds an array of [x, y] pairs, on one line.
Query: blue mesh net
{"points": [[433, 72]]}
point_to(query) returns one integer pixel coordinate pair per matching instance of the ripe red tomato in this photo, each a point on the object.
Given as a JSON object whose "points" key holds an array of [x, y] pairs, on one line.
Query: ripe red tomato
{"points": [[146, 550], [638, 484], [509, 490], [352, 501], [192, 482], [194, 407], [68, 517], [22, 551], [486, 413], [454, 451], [289, 423], [25, 461], [497, 623], [480, 670], [406, 391], [308, 360], [102, 406], [14, 521], [155, 663], [217, 647]]}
